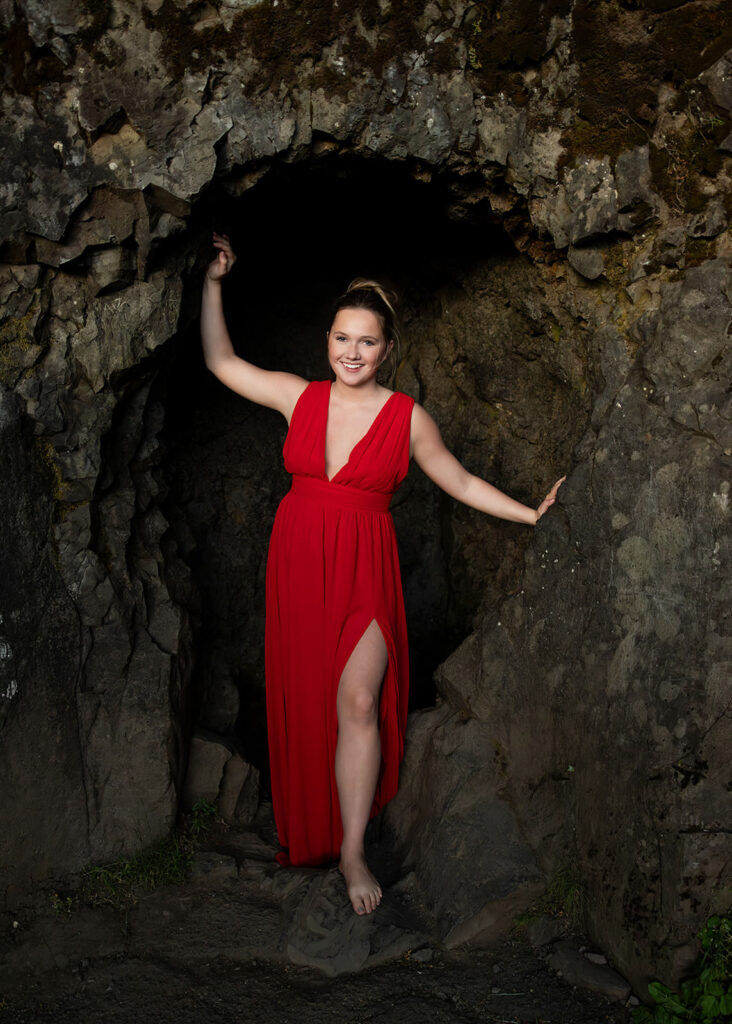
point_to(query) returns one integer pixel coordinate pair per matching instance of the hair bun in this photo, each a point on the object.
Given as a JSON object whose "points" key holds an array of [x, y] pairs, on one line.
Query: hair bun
{"points": [[364, 284]]}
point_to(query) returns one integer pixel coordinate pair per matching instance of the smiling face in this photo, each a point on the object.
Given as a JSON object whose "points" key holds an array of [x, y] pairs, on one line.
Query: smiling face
{"points": [[356, 346]]}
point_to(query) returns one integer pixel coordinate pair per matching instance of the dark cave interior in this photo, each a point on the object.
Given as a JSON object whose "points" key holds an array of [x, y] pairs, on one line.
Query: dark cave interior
{"points": [[301, 234]]}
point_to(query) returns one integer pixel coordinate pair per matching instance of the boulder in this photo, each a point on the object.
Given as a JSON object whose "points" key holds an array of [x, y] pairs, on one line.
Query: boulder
{"points": [[207, 758], [581, 971], [457, 815]]}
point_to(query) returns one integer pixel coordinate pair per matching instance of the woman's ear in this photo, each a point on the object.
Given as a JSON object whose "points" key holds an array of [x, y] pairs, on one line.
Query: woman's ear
{"points": [[388, 350]]}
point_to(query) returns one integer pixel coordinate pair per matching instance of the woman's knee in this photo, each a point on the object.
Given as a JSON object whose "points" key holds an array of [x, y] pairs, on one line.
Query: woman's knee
{"points": [[358, 705]]}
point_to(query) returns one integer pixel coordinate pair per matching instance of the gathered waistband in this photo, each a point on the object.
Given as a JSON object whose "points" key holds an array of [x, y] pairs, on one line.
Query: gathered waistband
{"points": [[338, 495]]}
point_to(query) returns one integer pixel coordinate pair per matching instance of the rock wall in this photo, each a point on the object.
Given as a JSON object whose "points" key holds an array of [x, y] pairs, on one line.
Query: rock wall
{"points": [[594, 139]]}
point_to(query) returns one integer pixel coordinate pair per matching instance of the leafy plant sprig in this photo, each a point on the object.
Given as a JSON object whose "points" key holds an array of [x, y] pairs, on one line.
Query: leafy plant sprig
{"points": [[706, 996]]}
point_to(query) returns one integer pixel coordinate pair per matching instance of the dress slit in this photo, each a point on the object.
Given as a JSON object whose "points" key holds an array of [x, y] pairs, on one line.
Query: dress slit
{"points": [[388, 706]]}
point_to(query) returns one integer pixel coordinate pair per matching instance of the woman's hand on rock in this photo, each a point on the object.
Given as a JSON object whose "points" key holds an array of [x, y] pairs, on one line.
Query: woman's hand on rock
{"points": [[550, 499], [224, 260]]}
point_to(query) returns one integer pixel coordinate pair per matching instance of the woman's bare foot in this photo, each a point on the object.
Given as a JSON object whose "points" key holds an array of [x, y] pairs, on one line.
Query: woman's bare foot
{"points": [[364, 891]]}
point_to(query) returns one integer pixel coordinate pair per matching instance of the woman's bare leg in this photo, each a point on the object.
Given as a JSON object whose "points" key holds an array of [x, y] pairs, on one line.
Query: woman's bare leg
{"points": [[357, 761]]}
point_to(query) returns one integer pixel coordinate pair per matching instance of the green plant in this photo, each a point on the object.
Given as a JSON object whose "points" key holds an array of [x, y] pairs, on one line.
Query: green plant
{"points": [[706, 995], [164, 863], [115, 885], [564, 898], [200, 818], [565, 895], [63, 905]]}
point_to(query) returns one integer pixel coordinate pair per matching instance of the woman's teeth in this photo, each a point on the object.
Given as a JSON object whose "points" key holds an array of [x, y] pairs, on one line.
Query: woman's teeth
{"points": [[352, 366]]}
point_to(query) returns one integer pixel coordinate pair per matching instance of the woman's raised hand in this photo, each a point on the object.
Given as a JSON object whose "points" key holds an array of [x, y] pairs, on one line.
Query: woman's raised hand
{"points": [[550, 499], [224, 260]]}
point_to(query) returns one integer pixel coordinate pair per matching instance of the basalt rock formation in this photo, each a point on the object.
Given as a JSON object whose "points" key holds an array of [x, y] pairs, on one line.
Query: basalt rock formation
{"points": [[548, 186]]}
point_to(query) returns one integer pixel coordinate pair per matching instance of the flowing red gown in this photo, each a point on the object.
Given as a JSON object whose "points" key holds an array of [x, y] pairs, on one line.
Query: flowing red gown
{"points": [[332, 568]]}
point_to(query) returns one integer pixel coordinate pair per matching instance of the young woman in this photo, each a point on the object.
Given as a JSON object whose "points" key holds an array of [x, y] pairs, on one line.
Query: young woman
{"points": [[336, 641]]}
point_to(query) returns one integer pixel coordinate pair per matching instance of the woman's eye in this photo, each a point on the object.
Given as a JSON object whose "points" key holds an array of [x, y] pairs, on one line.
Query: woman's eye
{"points": [[367, 342]]}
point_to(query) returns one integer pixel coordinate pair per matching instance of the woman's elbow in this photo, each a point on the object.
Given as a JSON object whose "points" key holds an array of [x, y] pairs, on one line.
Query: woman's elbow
{"points": [[216, 364]]}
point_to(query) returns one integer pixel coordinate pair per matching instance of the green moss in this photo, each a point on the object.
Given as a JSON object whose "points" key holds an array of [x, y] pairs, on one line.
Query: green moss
{"points": [[166, 862], [184, 49], [68, 507], [325, 77], [699, 250], [16, 336], [587, 139], [617, 259], [473, 59], [564, 898], [506, 38], [613, 44], [624, 52], [47, 454], [17, 331], [282, 38], [57, 486], [678, 166], [117, 885]]}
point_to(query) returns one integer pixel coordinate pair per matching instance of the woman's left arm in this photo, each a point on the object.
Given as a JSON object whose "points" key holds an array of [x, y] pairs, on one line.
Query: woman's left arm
{"points": [[441, 466]]}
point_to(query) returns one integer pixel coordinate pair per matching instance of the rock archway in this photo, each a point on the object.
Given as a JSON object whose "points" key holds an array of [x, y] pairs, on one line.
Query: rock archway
{"points": [[576, 315], [303, 231]]}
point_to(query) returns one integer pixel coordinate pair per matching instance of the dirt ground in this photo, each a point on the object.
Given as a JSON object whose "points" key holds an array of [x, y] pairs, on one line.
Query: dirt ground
{"points": [[514, 986], [244, 940]]}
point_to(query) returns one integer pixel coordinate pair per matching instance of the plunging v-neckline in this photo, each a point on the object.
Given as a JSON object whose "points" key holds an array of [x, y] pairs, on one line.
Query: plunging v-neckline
{"points": [[360, 441]]}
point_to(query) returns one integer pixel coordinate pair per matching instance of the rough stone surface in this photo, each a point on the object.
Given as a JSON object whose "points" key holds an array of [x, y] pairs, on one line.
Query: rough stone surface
{"points": [[207, 758], [323, 936], [579, 970], [239, 792], [587, 262], [658, 540], [479, 898], [39, 629], [213, 868], [598, 644], [637, 202], [592, 196], [543, 929]]}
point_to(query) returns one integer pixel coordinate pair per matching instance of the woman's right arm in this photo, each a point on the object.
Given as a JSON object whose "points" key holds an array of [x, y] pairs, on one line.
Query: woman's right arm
{"points": [[265, 387]]}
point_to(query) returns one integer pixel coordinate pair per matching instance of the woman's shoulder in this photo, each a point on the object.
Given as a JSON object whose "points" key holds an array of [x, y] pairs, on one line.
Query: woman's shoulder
{"points": [[308, 394], [401, 397], [422, 422], [314, 389]]}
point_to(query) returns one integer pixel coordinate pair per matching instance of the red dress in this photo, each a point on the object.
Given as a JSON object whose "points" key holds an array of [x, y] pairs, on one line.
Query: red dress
{"points": [[332, 568]]}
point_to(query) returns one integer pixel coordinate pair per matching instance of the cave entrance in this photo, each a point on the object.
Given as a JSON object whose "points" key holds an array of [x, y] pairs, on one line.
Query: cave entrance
{"points": [[301, 234]]}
